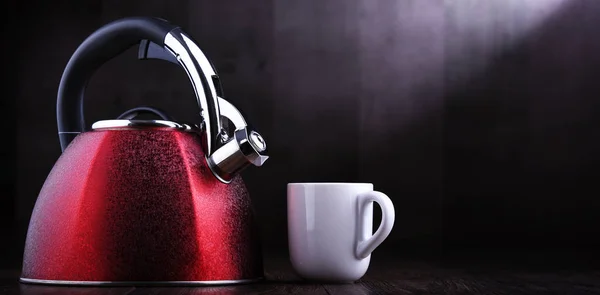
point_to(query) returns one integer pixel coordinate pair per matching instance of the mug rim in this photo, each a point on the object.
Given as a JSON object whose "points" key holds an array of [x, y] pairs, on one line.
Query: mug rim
{"points": [[328, 183]]}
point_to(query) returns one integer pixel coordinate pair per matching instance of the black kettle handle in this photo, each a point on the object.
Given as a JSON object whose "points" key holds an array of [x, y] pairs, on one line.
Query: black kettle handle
{"points": [[101, 46]]}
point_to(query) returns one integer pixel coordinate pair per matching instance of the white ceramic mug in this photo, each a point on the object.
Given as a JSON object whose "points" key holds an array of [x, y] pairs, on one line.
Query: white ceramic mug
{"points": [[330, 229]]}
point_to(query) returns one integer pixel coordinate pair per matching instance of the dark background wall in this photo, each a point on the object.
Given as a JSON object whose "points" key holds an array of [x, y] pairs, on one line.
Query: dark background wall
{"points": [[478, 118]]}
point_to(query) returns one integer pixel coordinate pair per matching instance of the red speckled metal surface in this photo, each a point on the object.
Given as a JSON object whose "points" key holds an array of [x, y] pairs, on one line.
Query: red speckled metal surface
{"points": [[140, 205]]}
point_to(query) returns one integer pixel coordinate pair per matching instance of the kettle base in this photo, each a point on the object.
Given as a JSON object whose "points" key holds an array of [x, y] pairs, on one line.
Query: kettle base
{"points": [[138, 283]]}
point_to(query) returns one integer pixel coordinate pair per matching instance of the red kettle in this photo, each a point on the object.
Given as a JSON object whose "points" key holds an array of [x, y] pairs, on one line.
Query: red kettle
{"points": [[146, 201]]}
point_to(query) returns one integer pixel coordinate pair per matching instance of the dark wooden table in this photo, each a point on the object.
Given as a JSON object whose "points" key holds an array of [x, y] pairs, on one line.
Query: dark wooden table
{"points": [[386, 275]]}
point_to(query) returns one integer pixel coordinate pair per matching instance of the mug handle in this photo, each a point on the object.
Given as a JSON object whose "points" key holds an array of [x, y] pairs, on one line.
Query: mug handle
{"points": [[365, 244]]}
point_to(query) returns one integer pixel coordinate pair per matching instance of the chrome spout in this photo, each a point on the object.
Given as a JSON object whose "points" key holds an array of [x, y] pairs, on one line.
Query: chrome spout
{"points": [[245, 147]]}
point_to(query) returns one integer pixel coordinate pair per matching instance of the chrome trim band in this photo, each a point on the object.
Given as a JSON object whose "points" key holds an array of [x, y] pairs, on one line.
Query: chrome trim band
{"points": [[138, 124], [138, 283]]}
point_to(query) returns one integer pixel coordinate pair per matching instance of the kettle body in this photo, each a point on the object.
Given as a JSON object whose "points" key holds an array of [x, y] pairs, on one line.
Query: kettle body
{"points": [[143, 202], [140, 206]]}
